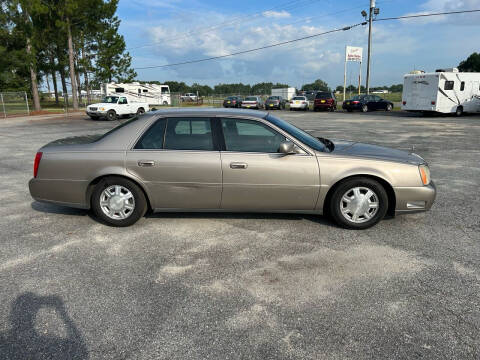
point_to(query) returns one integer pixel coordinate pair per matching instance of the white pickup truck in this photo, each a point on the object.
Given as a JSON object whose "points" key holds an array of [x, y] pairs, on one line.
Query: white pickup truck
{"points": [[114, 106]]}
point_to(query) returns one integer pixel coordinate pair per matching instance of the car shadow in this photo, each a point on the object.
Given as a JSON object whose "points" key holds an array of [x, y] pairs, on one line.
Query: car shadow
{"points": [[23, 341], [57, 209]]}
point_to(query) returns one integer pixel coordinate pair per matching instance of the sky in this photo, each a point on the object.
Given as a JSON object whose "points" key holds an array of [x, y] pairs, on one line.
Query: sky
{"points": [[159, 32]]}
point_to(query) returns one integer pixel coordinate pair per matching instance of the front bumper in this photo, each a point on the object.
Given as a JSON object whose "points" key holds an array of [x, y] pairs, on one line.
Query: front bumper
{"points": [[96, 113], [415, 199]]}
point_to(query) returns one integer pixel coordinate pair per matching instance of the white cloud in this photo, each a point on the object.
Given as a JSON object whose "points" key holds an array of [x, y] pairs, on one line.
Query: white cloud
{"points": [[432, 6], [276, 14]]}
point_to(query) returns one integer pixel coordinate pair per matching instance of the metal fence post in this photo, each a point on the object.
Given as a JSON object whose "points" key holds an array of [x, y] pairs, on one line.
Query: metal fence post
{"points": [[3, 104], [26, 101]]}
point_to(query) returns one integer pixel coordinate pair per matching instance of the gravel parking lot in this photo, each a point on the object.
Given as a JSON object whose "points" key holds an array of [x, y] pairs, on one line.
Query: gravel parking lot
{"points": [[231, 286]]}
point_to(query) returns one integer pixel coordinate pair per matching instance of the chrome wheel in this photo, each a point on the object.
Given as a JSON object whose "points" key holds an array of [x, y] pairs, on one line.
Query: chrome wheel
{"points": [[359, 204], [117, 202]]}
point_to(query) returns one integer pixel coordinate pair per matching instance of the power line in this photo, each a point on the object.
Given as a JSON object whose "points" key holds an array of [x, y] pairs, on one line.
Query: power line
{"points": [[427, 15], [251, 50], [304, 38]]}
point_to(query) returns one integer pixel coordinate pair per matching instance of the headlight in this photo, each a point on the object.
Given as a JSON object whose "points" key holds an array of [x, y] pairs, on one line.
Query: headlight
{"points": [[424, 174], [101, 109]]}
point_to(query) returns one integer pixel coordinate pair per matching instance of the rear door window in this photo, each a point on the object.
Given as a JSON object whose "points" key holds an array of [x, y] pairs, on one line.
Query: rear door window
{"points": [[152, 139], [188, 134]]}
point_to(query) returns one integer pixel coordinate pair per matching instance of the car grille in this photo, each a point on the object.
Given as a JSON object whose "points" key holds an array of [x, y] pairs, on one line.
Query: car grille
{"points": [[93, 108]]}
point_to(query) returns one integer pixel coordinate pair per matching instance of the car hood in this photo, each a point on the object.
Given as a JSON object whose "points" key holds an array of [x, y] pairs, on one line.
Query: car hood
{"points": [[100, 104], [352, 148]]}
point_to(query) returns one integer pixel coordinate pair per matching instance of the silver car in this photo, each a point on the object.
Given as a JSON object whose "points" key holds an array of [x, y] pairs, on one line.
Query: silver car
{"points": [[228, 160]]}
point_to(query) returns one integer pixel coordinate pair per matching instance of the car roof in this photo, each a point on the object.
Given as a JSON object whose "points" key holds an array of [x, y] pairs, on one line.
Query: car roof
{"points": [[209, 112]]}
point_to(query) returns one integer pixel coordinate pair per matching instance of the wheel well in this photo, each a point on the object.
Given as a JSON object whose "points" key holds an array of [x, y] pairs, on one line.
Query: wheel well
{"points": [[388, 188], [141, 108], [95, 181]]}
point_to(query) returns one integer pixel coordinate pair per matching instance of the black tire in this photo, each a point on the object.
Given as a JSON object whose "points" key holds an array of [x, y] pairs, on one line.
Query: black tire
{"points": [[291, 109], [365, 108], [315, 109], [459, 111], [140, 111], [344, 187], [165, 103], [389, 107], [140, 201], [111, 115]]}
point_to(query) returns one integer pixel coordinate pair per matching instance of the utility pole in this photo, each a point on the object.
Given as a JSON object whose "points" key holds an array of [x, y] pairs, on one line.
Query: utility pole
{"points": [[372, 11]]}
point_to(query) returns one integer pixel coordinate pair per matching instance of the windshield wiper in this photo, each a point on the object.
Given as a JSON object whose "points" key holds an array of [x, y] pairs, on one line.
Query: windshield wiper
{"points": [[328, 144]]}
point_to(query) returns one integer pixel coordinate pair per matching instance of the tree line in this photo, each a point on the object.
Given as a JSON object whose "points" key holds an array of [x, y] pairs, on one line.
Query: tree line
{"points": [[72, 40]]}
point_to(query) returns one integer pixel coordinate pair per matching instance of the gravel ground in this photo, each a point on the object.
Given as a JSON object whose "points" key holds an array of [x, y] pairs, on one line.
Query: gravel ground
{"points": [[231, 286]]}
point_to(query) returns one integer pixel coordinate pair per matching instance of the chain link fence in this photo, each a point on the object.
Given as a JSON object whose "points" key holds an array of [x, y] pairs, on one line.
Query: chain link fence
{"points": [[14, 104]]}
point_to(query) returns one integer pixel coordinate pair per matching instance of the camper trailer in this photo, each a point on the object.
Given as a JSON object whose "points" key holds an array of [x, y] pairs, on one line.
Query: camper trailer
{"points": [[152, 94], [444, 91]]}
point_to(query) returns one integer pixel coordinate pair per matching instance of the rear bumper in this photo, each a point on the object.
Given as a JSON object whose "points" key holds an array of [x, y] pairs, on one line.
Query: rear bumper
{"points": [[62, 192], [273, 106], [352, 107], [298, 106], [415, 199], [323, 105]]}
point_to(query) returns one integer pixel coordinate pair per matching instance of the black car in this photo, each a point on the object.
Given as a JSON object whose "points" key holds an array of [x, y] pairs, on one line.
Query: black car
{"points": [[367, 103], [275, 102], [233, 102]]}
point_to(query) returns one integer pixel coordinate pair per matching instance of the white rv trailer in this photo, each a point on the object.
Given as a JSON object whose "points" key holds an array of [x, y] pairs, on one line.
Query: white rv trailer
{"points": [[152, 94], [286, 93], [444, 91]]}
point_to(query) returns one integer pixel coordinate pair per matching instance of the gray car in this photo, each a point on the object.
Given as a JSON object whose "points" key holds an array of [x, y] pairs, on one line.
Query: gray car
{"points": [[228, 160]]}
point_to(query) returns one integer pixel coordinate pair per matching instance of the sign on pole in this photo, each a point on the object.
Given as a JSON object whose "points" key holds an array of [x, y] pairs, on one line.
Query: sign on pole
{"points": [[352, 53]]}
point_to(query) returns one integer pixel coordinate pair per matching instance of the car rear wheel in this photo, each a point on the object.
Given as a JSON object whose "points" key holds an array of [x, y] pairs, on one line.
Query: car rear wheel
{"points": [[118, 201], [364, 108], [389, 107], [140, 111], [359, 203], [111, 115]]}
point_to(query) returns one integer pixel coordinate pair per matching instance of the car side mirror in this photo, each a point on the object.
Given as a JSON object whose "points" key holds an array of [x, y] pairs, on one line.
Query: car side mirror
{"points": [[286, 147]]}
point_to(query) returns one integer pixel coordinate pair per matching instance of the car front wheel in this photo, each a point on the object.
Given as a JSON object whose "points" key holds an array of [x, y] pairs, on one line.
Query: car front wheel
{"points": [[364, 108], [359, 203], [389, 107], [118, 201], [111, 115]]}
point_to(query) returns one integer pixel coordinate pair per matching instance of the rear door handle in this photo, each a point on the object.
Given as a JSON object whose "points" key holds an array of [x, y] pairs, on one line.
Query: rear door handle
{"points": [[146, 163], [238, 165]]}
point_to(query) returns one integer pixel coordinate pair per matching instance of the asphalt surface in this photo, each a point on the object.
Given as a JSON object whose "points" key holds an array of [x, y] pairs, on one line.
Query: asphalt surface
{"points": [[243, 286]]}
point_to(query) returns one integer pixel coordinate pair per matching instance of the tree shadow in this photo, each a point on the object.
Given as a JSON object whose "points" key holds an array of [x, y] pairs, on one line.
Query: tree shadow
{"points": [[23, 341], [57, 209]]}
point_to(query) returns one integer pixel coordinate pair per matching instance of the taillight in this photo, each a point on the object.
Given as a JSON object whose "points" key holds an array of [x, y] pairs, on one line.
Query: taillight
{"points": [[355, 102], [304, 102], [404, 103], [433, 102], [234, 102], [36, 163]]}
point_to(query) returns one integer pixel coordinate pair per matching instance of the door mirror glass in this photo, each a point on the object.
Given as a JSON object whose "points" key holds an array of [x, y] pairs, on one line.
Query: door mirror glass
{"points": [[286, 147]]}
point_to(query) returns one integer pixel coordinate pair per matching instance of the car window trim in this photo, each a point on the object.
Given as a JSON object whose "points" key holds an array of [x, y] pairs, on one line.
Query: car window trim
{"points": [[216, 146], [288, 136]]}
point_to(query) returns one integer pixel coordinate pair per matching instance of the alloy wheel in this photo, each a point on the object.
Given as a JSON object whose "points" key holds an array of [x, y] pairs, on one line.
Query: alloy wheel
{"points": [[117, 202], [359, 204]]}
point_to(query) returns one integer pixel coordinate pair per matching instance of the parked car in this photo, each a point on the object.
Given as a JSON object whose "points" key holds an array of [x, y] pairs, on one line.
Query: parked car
{"points": [[325, 100], [367, 103], [299, 103], [113, 107], [253, 102], [189, 97], [275, 102], [228, 160], [233, 102]]}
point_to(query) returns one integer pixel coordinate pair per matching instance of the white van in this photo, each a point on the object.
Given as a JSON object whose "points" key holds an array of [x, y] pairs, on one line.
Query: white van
{"points": [[444, 91]]}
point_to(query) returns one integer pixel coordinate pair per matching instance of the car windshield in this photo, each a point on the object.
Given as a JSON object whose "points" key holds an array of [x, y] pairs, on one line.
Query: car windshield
{"points": [[323, 95], [110, 99], [251, 98], [299, 134], [299, 98]]}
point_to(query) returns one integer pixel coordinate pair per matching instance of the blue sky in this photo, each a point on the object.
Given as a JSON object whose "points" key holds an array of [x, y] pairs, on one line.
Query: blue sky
{"points": [[167, 31]]}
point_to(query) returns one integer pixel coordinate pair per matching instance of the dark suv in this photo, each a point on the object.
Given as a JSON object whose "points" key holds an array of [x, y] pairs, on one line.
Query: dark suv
{"points": [[325, 100]]}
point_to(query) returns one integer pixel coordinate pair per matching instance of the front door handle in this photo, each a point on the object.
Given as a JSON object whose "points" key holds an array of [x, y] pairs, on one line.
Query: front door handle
{"points": [[146, 163], [238, 165]]}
